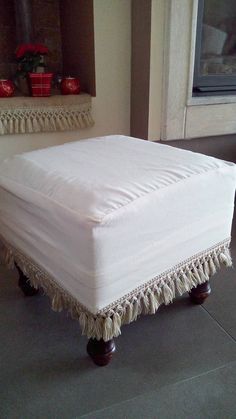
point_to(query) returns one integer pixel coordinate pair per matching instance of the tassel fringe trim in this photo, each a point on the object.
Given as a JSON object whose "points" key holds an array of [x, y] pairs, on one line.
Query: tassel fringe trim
{"points": [[145, 299], [58, 118]]}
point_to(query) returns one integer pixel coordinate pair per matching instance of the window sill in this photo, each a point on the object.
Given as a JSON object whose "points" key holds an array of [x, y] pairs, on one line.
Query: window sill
{"points": [[211, 100]]}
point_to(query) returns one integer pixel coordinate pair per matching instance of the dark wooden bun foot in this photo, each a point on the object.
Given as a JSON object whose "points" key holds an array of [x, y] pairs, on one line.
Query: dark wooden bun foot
{"points": [[199, 294], [24, 284], [101, 352]]}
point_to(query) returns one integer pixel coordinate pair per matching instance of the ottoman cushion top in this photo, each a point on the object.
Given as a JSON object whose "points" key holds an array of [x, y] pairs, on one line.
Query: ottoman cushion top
{"points": [[98, 176]]}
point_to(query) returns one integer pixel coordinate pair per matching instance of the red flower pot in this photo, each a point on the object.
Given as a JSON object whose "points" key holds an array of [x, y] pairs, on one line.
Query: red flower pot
{"points": [[70, 86], [7, 88], [40, 84]]}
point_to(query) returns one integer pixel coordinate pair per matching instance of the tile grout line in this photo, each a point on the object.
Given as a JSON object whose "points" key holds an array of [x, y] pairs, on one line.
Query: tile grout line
{"points": [[231, 363], [218, 323]]}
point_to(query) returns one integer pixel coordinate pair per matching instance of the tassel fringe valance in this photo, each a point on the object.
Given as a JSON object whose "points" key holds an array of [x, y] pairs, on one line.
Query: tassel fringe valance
{"points": [[145, 299], [55, 114]]}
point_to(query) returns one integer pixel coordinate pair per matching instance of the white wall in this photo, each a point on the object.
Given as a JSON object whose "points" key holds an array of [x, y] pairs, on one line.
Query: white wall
{"points": [[156, 69], [111, 106], [112, 61]]}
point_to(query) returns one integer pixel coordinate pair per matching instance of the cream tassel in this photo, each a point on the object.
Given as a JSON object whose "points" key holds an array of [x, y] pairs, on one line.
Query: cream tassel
{"points": [[167, 294], [107, 329], [172, 287], [158, 296], [6, 257], [212, 266], [225, 258], [83, 321], [153, 304], [181, 289], [74, 312], [192, 280], [116, 324], [145, 303], [216, 260], [98, 327], [206, 268], [1, 128], [91, 327], [128, 312], [136, 307], [203, 277], [196, 275], [187, 281], [228, 255], [35, 284]]}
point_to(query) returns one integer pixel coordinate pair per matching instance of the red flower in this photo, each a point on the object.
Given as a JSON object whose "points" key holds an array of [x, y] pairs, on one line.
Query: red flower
{"points": [[41, 49], [35, 49]]}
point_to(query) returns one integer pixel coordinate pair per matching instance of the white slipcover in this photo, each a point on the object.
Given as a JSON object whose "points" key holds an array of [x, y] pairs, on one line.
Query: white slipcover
{"points": [[105, 215]]}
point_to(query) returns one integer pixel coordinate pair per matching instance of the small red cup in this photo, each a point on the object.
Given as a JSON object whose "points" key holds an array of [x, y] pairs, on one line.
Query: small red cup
{"points": [[7, 88], [70, 86]]}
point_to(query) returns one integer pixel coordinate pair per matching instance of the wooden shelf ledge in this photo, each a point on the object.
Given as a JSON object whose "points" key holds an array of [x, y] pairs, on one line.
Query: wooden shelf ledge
{"points": [[23, 114]]}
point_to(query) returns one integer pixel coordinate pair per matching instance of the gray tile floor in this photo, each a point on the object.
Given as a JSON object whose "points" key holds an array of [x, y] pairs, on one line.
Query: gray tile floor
{"points": [[180, 363]]}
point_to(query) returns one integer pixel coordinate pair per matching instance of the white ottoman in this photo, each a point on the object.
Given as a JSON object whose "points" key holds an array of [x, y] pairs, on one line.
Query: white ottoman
{"points": [[112, 227]]}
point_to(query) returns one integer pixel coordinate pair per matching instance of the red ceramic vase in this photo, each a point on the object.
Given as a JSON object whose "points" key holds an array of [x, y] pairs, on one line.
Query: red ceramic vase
{"points": [[7, 88], [40, 84], [70, 86]]}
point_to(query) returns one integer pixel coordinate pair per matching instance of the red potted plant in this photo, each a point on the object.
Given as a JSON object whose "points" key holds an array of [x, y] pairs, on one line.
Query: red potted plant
{"points": [[30, 59]]}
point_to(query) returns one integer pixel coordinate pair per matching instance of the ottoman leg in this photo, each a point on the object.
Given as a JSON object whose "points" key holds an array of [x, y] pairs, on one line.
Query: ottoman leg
{"points": [[100, 351], [24, 284], [199, 294]]}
